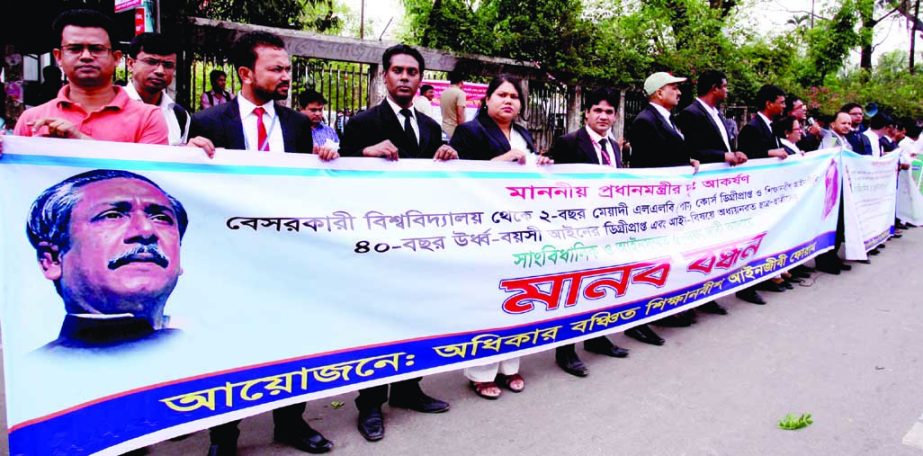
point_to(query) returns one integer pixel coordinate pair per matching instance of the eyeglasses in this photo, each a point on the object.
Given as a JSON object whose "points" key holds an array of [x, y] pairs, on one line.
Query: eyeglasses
{"points": [[167, 64], [96, 50]]}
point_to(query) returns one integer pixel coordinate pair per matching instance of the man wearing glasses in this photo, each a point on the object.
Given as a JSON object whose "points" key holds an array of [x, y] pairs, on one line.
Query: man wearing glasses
{"points": [[152, 62], [90, 106]]}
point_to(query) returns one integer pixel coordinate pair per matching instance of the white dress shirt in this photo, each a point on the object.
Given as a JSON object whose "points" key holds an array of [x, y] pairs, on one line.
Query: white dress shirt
{"points": [[666, 116], [595, 138], [270, 122], [713, 113], [876, 145], [400, 118], [175, 134]]}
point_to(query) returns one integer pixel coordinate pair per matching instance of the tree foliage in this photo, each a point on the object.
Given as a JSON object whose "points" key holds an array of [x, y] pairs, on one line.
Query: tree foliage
{"points": [[620, 42], [317, 15]]}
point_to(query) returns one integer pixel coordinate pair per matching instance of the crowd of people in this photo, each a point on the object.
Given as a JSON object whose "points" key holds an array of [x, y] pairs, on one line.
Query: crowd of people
{"points": [[91, 107]]}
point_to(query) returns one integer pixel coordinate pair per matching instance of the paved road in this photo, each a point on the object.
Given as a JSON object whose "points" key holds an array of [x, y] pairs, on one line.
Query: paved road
{"points": [[843, 348]]}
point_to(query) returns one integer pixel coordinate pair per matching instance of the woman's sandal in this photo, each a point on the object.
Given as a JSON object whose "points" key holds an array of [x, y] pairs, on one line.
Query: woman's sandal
{"points": [[514, 383], [487, 390]]}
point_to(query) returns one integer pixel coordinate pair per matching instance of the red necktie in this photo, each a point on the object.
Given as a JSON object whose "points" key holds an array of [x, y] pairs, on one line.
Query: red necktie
{"points": [[261, 143], [604, 153]]}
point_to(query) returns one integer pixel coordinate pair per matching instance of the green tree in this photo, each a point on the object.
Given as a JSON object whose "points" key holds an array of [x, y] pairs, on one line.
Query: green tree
{"points": [[317, 15]]}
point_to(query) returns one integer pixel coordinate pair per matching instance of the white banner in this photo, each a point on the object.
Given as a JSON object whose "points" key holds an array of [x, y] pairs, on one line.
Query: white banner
{"points": [[301, 279], [869, 193]]}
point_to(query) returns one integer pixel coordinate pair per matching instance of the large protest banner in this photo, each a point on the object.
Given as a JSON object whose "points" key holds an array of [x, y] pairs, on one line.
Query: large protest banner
{"points": [[296, 279], [869, 194]]}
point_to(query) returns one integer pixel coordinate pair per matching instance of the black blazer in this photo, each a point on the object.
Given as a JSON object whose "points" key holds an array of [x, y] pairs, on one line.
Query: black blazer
{"points": [[756, 139], [703, 138], [379, 123], [577, 147], [481, 138], [222, 125], [654, 143]]}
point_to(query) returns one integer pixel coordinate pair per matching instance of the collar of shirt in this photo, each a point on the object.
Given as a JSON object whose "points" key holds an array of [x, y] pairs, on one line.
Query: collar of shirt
{"points": [[666, 116], [790, 144], [595, 138], [270, 121], [247, 107], [166, 103], [400, 117], [713, 112], [765, 120], [174, 131], [118, 103]]}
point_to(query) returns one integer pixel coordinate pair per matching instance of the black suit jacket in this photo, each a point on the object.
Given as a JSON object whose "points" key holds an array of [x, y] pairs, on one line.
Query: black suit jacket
{"points": [[222, 125], [703, 138], [577, 147], [756, 139], [379, 123], [482, 139], [654, 143]]}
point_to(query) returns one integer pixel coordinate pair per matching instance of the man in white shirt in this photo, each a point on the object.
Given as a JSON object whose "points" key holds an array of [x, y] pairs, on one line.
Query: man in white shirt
{"points": [[878, 127], [252, 121], [424, 102], [152, 63], [703, 125]]}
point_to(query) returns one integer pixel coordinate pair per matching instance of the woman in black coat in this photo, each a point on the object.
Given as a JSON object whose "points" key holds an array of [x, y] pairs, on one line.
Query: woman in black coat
{"points": [[494, 135]]}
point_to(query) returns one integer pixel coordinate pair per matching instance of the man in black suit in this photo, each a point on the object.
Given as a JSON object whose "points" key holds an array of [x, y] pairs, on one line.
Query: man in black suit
{"points": [[392, 130], [656, 142], [706, 135], [590, 144], [756, 138], [758, 141], [253, 121]]}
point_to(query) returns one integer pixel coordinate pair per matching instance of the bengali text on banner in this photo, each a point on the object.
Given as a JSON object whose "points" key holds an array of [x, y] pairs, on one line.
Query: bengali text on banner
{"points": [[129, 316]]}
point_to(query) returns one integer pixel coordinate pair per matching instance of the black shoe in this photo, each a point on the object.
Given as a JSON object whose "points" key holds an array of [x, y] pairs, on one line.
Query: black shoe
{"points": [[307, 440], [372, 424], [680, 320], [900, 225], [845, 267], [419, 402], [712, 307], [866, 261], [567, 359], [223, 449], [795, 279], [829, 268], [880, 246], [875, 251], [750, 295], [802, 269], [603, 346], [769, 285], [787, 285], [800, 274], [645, 334]]}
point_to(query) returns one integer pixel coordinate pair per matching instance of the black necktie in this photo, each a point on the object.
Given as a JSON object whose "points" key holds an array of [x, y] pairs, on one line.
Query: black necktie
{"points": [[604, 153], [408, 130]]}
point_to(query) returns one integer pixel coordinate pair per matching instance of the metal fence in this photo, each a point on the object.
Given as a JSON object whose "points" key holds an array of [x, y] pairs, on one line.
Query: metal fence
{"points": [[345, 85], [545, 113]]}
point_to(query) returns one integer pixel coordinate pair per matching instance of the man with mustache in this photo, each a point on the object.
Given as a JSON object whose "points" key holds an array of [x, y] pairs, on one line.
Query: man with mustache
{"points": [[152, 62], [110, 242], [90, 106], [253, 120]]}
